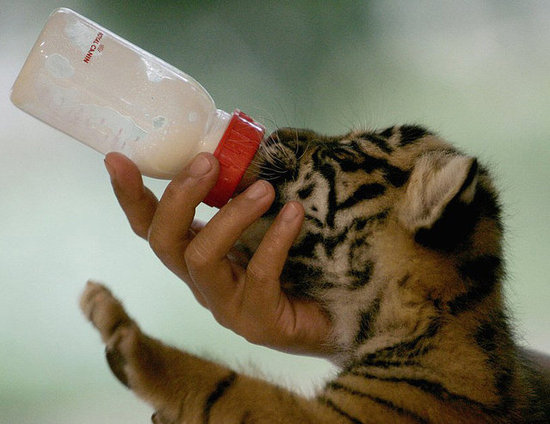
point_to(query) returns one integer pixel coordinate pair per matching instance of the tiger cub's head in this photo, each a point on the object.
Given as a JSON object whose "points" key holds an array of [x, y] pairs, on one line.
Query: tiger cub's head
{"points": [[399, 226]]}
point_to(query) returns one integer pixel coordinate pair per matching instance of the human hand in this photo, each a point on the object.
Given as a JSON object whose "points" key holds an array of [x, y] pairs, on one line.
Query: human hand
{"points": [[246, 299]]}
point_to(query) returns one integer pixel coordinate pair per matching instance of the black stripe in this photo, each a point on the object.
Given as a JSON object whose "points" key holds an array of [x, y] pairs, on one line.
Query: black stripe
{"points": [[327, 402], [118, 323], [378, 141], [365, 323], [364, 192], [330, 243], [504, 379], [452, 229], [356, 244], [388, 132], [411, 133], [306, 284], [472, 173], [306, 246], [367, 163], [328, 172], [402, 352], [396, 176], [482, 275], [386, 403], [435, 389], [485, 336], [403, 281], [387, 363], [305, 192], [315, 221], [492, 336], [488, 203], [117, 362], [216, 395], [361, 277], [483, 269], [361, 223]]}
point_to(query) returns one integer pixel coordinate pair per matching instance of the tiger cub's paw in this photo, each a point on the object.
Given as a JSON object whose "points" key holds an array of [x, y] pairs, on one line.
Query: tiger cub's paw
{"points": [[118, 331]]}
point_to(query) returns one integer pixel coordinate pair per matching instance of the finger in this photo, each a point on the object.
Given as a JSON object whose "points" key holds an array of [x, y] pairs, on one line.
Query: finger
{"points": [[262, 298], [136, 200], [303, 327], [293, 325], [296, 326], [169, 230], [185, 276], [266, 265], [206, 256]]}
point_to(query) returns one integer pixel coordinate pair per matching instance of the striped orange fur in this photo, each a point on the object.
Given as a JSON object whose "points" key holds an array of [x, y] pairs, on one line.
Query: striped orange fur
{"points": [[402, 246]]}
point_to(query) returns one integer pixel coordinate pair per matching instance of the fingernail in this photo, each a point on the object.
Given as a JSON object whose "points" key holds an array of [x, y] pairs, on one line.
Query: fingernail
{"points": [[200, 166], [110, 169], [256, 191], [290, 212]]}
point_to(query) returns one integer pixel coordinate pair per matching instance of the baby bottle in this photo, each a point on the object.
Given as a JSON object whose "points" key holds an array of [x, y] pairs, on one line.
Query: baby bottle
{"points": [[115, 97]]}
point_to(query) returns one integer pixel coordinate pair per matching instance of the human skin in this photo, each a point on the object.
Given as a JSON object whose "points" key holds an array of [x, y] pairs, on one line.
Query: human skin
{"points": [[246, 298]]}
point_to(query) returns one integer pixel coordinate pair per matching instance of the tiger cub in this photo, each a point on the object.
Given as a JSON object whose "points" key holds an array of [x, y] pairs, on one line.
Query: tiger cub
{"points": [[402, 246]]}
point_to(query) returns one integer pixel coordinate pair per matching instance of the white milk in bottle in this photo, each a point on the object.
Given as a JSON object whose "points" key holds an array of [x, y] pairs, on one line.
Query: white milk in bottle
{"points": [[115, 97]]}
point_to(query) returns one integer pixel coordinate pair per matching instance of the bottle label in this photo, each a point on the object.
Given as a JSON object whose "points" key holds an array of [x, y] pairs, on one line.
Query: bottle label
{"points": [[94, 47]]}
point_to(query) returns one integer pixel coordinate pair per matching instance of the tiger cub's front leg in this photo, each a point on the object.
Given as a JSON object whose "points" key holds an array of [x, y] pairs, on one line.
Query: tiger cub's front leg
{"points": [[182, 387]]}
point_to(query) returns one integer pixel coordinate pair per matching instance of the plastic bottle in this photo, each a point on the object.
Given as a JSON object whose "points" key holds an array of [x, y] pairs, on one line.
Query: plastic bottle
{"points": [[113, 96]]}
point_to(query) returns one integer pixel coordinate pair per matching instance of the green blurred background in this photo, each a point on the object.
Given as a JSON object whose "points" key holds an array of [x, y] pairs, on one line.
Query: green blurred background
{"points": [[478, 72]]}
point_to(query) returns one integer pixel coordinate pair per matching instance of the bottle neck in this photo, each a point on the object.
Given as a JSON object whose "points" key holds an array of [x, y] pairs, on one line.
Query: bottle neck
{"points": [[216, 128], [235, 150]]}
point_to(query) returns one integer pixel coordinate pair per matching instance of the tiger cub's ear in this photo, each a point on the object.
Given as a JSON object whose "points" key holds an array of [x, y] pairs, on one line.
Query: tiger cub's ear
{"points": [[436, 208]]}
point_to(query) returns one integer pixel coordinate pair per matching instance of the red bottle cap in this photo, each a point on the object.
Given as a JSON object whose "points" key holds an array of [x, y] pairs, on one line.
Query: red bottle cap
{"points": [[235, 151]]}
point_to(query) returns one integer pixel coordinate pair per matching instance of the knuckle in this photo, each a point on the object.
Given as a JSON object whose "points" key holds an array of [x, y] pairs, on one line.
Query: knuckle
{"points": [[223, 320], [257, 273], [258, 337], [252, 337], [158, 243], [172, 191], [279, 238], [229, 317], [139, 229], [196, 255]]}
